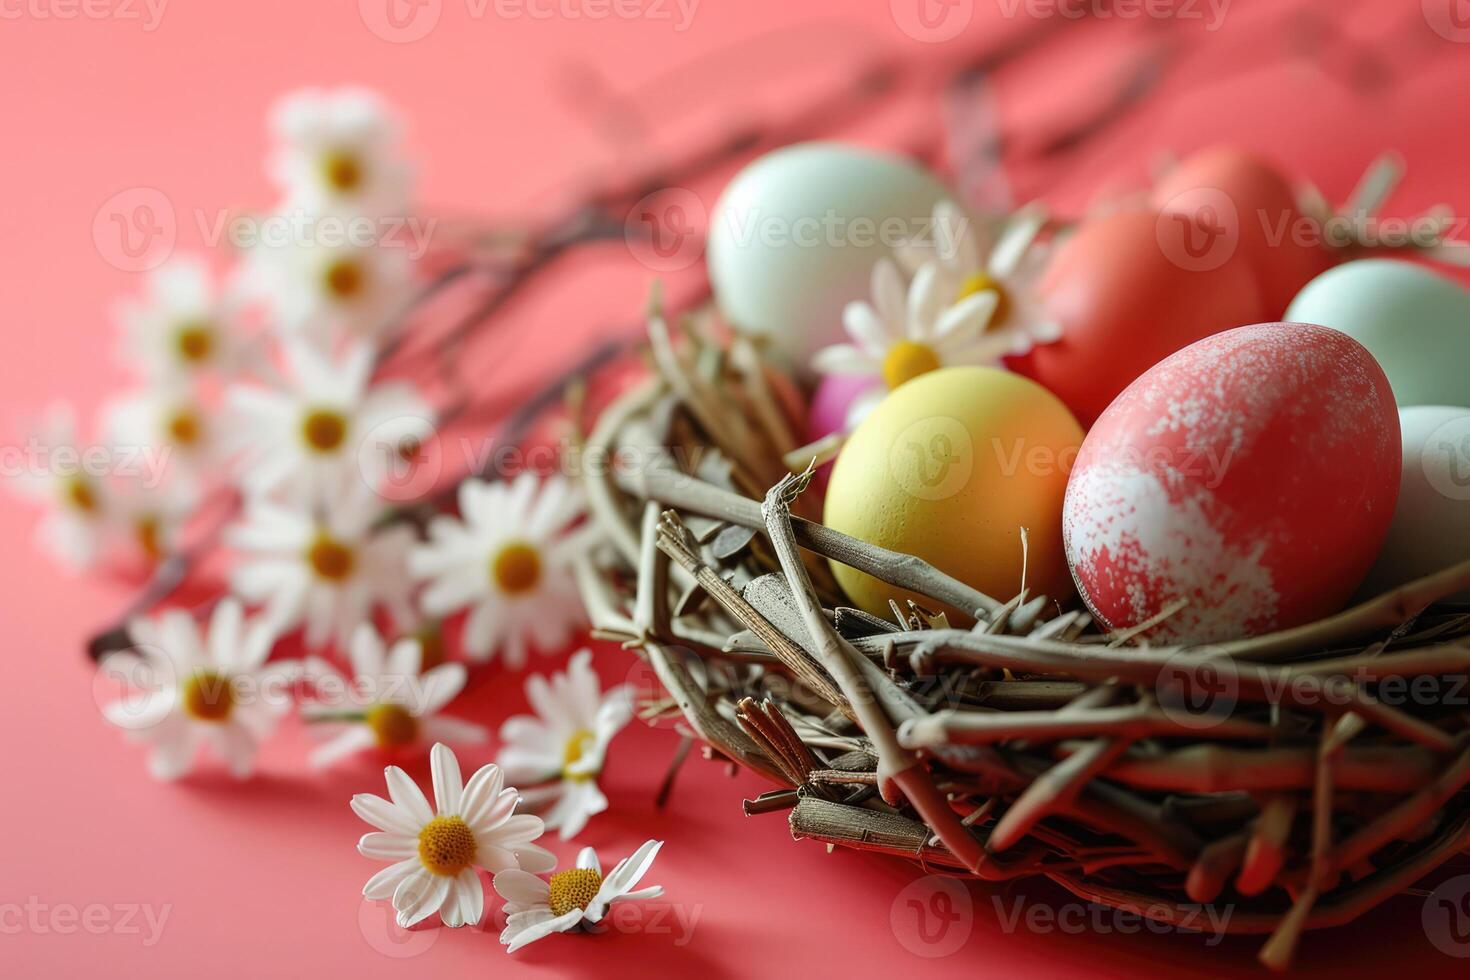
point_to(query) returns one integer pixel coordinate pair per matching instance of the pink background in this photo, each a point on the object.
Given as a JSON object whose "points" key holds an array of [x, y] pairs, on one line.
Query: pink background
{"points": [[263, 878]]}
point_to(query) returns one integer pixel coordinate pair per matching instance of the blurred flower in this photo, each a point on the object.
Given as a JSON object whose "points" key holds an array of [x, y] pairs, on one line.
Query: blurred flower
{"points": [[388, 703], [179, 330], [75, 526], [305, 438], [566, 743], [971, 261], [900, 338], [328, 568], [170, 417], [332, 278], [149, 518], [435, 852], [509, 557], [338, 150], [194, 689], [536, 908]]}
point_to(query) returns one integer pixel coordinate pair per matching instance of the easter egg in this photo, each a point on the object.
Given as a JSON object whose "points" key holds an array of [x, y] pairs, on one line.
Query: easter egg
{"points": [[1124, 304], [1252, 475], [1431, 525], [794, 236], [1416, 322], [833, 399], [1240, 203], [951, 466]]}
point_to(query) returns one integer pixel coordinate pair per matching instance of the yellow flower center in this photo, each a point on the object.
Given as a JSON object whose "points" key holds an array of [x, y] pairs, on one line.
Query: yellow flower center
{"points": [[195, 342], [341, 171], [981, 281], [576, 747], [344, 279], [393, 725], [431, 643], [150, 536], [906, 360], [185, 427], [574, 888], [207, 696], [516, 568], [330, 559], [79, 493], [324, 429], [447, 845]]}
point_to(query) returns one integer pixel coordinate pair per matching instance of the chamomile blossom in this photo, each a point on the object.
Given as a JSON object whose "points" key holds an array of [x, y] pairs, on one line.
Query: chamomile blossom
{"points": [[337, 150], [331, 276], [537, 907], [195, 688], [148, 517], [315, 435], [389, 703], [507, 557], [180, 329], [171, 418], [76, 524], [435, 851], [557, 755], [327, 568], [972, 259], [899, 336]]}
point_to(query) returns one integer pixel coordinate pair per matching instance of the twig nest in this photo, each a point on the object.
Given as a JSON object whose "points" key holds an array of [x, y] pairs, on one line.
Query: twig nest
{"points": [[966, 468]]}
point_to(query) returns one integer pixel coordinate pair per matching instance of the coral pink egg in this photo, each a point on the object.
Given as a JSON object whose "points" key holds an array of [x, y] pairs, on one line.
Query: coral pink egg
{"points": [[1253, 475], [1234, 194], [829, 408], [1125, 301]]}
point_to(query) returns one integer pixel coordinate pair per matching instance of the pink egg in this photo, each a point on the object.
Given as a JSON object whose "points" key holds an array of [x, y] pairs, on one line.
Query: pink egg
{"points": [[1252, 474], [834, 396]]}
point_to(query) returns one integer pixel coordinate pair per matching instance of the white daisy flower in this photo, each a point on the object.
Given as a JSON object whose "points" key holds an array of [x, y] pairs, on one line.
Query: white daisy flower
{"points": [[149, 519], [76, 525], [326, 282], [565, 745], [1008, 263], [315, 436], [328, 568], [389, 703], [338, 150], [509, 558], [435, 852], [192, 688], [536, 908], [171, 418], [900, 338], [181, 328]]}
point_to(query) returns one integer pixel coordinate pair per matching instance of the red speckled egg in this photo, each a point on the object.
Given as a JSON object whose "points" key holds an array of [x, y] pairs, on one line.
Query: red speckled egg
{"points": [[1241, 203], [1253, 474], [1125, 301]]}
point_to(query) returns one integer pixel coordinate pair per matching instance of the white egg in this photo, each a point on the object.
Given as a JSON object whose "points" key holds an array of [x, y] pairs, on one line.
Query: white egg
{"points": [[794, 237], [1431, 524]]}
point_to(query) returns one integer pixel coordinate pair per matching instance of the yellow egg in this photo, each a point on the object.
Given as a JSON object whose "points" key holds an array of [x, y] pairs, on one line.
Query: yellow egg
{"points": [[950, 467]]}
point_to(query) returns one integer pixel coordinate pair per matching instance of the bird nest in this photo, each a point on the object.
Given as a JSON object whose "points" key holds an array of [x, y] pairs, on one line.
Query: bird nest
{"points": [[1297, 779]]}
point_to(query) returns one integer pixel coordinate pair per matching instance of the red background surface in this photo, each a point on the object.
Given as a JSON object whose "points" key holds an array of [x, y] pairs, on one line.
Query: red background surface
{"points": [[505, 115]]}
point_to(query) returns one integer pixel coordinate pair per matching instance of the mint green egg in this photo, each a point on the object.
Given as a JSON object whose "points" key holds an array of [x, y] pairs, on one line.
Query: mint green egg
{"points": [[1416, 322]]}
